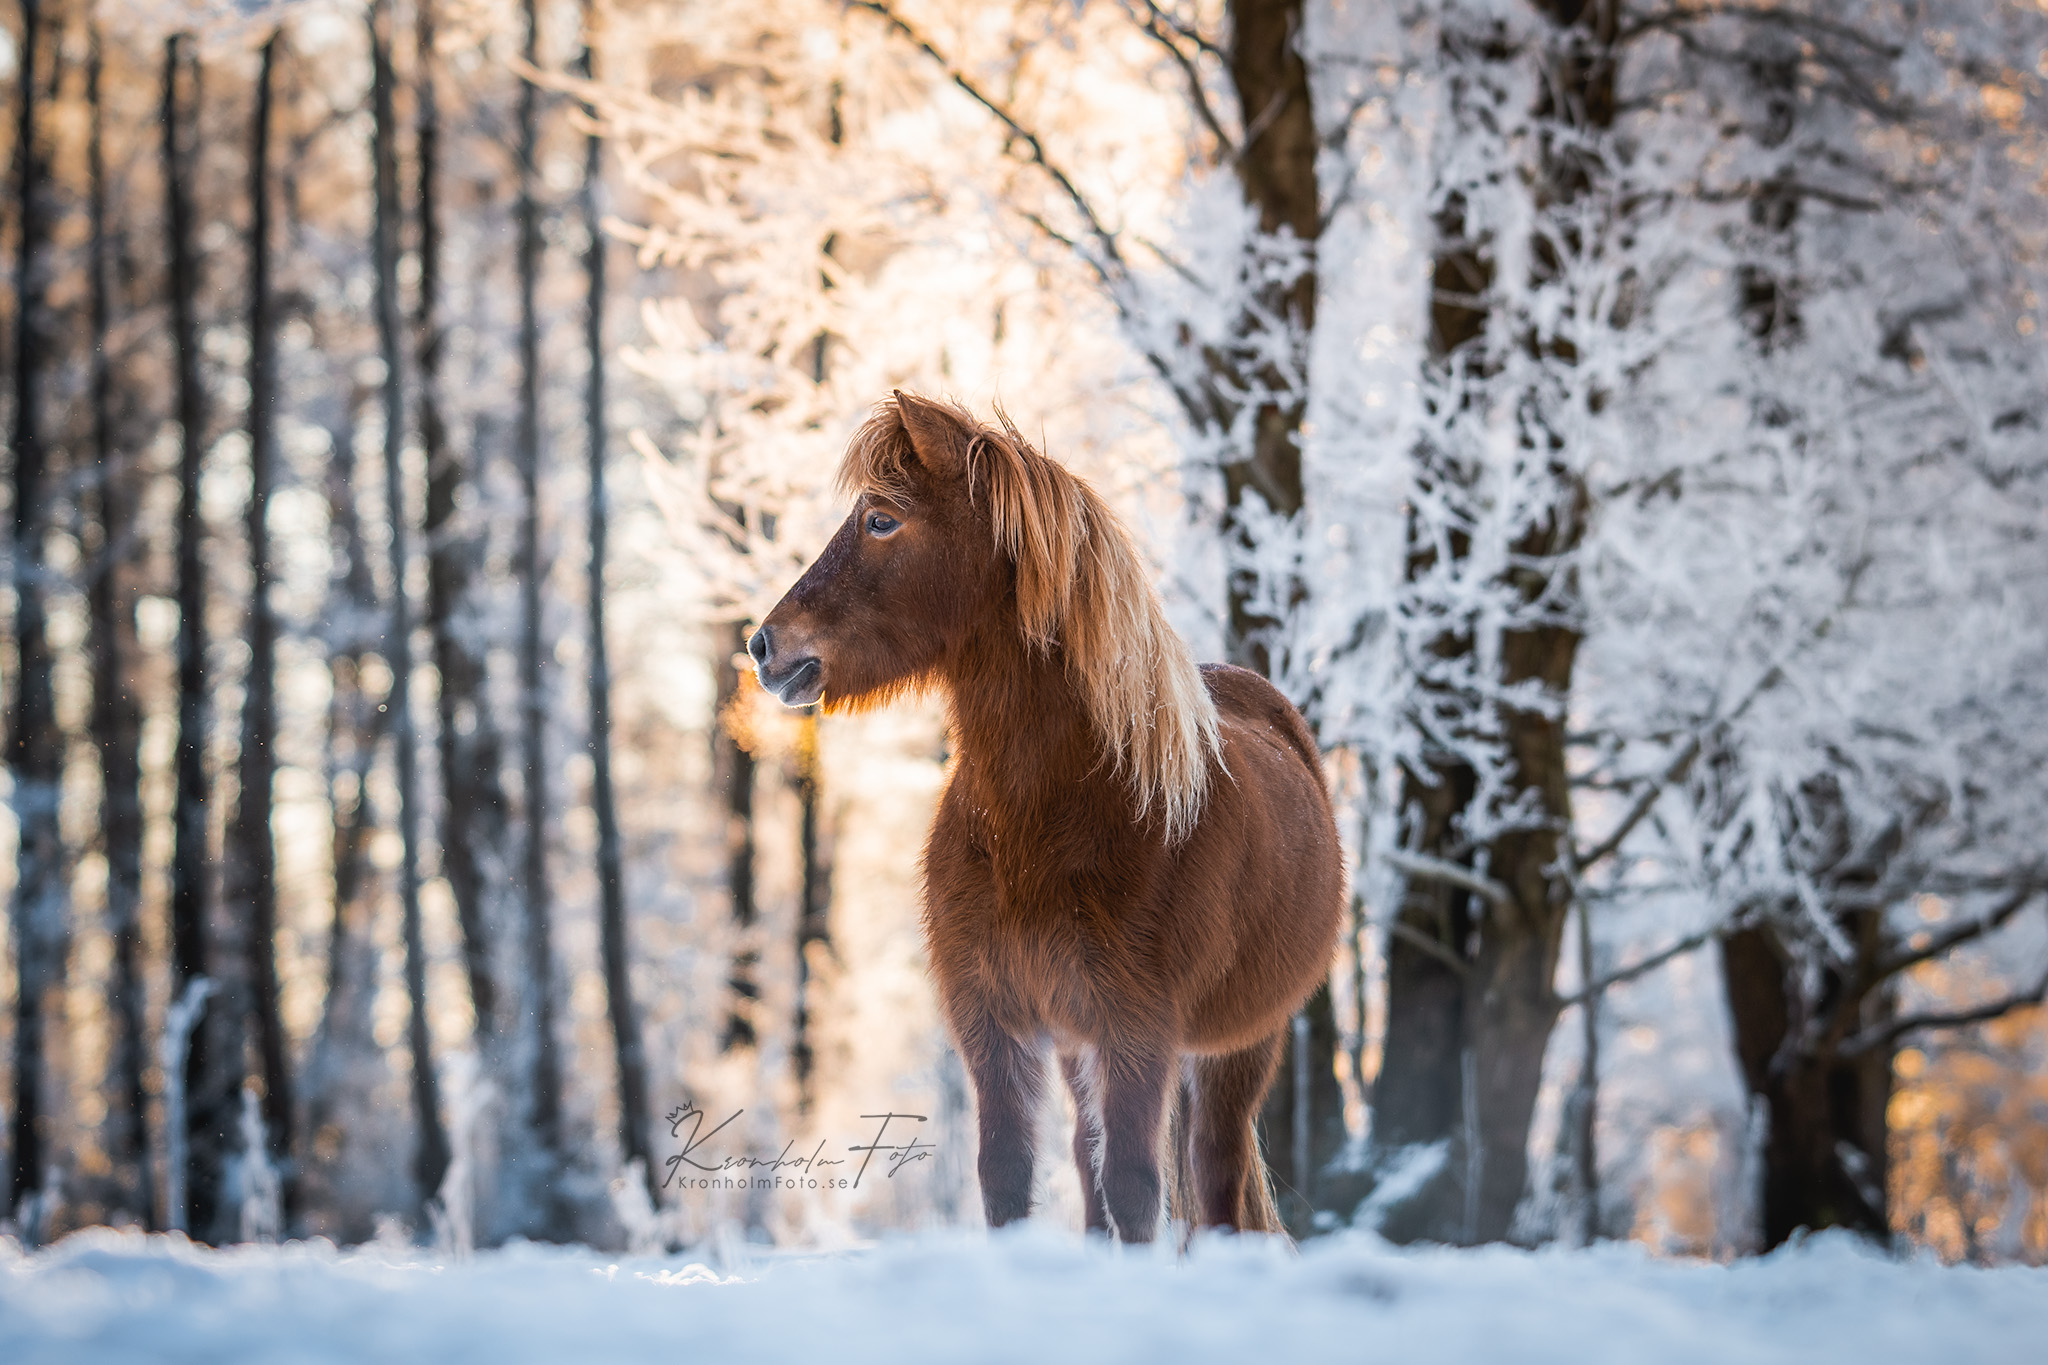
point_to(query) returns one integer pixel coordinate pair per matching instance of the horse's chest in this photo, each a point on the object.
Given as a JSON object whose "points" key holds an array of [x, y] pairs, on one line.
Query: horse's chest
{"points": [[1043, 962]]}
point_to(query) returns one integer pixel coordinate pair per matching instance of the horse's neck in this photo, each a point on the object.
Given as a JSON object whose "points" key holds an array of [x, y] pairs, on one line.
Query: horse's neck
{"points": [[1020, 723]]}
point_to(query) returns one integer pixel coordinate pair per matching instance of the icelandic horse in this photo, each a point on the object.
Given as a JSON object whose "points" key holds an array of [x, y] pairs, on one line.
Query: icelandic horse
{"points": [[1134, 859]]}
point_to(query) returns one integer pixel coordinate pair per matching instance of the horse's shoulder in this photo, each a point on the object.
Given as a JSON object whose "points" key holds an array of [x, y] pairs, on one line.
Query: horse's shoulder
{"points": [[958, 824]]}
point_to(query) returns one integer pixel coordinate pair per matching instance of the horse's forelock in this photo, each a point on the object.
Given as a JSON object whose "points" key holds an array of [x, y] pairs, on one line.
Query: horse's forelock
{"points": [[878, 458]]}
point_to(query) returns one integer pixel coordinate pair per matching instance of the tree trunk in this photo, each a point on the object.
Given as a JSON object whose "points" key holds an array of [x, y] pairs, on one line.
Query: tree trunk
{"points": [[1824, 1126], [627, 1048], [1301, 1126], [1464, 1044], [430, 1159], [1417, 1097], [35, 747], [1276, 169], [213, 1060], [355, 731], [543, 1082], [814, 905], [469, 747], [249, 877], [814, 926], [1470, 996], [116, 715], [1825, 1140], [1579, 1132], [733, 776]]}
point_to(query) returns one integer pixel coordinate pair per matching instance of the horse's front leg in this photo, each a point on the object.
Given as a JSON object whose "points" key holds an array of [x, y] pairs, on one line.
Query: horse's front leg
{"points": [[1009, 1091], [1133, 1081]]}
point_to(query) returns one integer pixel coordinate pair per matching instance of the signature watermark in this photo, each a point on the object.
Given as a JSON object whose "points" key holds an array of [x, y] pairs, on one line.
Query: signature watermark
{"points": [[697, 1166]]}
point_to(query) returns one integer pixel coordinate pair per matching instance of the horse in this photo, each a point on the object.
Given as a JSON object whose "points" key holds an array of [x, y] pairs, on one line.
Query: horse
{"points": [[1134, 860]]}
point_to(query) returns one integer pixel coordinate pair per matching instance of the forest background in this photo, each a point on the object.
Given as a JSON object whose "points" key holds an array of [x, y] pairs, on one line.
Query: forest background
{"points": [[1618, 426]]}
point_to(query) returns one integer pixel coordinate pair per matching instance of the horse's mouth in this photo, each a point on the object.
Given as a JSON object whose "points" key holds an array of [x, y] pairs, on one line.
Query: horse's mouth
{"points": [[801, 686]]}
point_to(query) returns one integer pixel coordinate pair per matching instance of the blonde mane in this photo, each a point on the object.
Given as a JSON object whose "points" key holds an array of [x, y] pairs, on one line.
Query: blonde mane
{"points": [[1082, 588]]}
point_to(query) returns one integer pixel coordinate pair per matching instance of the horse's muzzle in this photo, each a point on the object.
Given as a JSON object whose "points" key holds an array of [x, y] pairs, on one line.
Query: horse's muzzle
{"points": [[795, 682]]}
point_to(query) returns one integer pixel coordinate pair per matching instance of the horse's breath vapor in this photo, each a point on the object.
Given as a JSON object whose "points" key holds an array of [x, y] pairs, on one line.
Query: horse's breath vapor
{"points": [[1134, 859]]}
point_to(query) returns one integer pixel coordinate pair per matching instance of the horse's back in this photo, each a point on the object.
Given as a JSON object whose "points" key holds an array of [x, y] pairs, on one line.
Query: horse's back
{"points": [[1266, 858], [1244, 696]]}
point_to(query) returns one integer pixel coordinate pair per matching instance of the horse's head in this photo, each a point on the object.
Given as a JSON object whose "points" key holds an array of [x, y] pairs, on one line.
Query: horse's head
{"points": [[907, 575], [960, 527]]}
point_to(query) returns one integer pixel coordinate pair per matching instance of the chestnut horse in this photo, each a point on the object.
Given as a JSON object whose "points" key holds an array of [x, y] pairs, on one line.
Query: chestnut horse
{"points": [[1134, 859]]}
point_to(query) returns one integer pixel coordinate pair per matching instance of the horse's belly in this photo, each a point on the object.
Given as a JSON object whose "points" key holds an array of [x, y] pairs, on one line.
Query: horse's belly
{"points": [[1284, 932]]}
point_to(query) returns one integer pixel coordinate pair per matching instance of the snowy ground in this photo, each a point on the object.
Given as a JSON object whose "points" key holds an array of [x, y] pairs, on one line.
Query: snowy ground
{"points": [[1037, 1296]]}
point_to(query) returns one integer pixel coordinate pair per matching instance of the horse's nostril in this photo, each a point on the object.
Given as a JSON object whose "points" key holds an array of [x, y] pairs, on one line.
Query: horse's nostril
{"points": [[757, 647]]}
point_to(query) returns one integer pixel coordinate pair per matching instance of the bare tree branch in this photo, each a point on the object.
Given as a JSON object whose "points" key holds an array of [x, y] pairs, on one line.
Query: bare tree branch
{"points": [[1638, 810], [1415, 938], [1169, 260], [1884, 1034], [1189, 32], [1038, 221], [1256, 129], [1955, 934], [1673, 771], [1162, 30], [1107, 261], [1896, 887], [1340, 141], [1111, 267], [1759, 14], [1851, 84], [1649, 964], [1752, 189], [1426, 868]]}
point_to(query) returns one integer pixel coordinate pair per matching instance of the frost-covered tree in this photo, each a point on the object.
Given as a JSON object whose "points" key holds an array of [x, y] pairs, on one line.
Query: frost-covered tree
{"points": [[1674, 252], [814, 320], [1843, 738], [249, 877], [1450, 669]]}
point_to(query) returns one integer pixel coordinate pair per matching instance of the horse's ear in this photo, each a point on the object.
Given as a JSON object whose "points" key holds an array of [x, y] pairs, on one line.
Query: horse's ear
{"points": [[937, 436]]}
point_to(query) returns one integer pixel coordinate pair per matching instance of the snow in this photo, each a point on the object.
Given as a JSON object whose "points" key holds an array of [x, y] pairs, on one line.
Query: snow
{"points": [[1024, 1295]]}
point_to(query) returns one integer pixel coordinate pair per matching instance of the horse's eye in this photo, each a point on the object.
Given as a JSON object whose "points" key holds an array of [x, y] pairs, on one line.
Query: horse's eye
{"points": [[881, 524]]}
